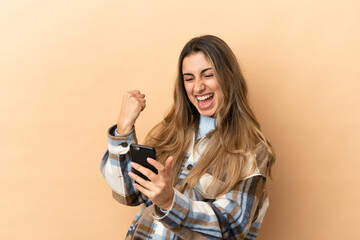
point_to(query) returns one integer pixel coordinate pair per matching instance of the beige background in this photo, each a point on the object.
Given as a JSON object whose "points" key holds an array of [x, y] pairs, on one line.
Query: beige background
{"points": [[65, 64]]}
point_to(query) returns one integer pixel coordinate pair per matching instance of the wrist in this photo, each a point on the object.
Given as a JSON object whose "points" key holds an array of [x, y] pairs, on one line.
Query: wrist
{"points": [[124, 129], [168, 206]]}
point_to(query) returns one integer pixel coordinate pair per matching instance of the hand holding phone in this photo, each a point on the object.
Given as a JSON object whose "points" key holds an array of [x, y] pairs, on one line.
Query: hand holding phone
{"points": [[139, 155]]}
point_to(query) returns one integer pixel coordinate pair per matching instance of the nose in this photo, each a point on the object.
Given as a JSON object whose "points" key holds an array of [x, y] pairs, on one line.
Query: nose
{"points": [[199, 85]]}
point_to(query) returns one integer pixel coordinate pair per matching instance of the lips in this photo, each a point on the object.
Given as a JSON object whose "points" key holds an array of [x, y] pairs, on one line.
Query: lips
{"points": [[205, 101]]}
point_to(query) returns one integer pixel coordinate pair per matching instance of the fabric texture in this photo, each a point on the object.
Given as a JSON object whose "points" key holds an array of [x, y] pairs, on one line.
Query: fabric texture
{"points": [[196, 213]]}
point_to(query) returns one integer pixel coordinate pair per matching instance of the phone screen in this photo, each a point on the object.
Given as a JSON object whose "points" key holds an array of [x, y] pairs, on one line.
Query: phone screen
{"points": [[139, 154]]}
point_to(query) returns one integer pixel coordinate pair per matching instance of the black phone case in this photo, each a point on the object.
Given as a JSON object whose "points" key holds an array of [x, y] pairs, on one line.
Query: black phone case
{"points": [[139, 154]]}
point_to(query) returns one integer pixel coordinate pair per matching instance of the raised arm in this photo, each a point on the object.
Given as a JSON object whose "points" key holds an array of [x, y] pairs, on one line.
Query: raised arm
{"points": [[115, 164]]}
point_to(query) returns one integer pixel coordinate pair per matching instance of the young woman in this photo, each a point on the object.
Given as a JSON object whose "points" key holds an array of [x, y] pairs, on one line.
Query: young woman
{"points": [[212, 158]]}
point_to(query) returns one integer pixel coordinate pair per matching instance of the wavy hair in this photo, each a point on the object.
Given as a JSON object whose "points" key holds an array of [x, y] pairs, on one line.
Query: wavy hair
{"points": [[237, 131]]}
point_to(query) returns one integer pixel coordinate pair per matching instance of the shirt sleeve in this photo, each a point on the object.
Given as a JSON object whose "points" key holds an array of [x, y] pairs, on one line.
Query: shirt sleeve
{"points": [[115, 166], [230, 216]]}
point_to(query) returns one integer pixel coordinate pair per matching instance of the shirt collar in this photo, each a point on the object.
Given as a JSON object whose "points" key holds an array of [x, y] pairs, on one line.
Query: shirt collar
{"points": [[206, 124]]}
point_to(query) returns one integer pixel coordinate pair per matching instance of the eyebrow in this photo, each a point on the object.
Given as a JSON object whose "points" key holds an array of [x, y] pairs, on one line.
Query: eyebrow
{"points": [[202, 71]]}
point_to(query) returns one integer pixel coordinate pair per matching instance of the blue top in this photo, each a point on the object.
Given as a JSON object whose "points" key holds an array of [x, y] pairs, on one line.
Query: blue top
{"points": [[206, 124]]}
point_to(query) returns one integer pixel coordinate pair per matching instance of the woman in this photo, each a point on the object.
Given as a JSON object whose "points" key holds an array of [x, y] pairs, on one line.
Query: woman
{"points": [[213, 159]]}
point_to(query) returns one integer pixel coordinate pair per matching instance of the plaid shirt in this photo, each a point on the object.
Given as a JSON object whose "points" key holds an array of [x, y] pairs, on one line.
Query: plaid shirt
{"points": [[196, 213]]}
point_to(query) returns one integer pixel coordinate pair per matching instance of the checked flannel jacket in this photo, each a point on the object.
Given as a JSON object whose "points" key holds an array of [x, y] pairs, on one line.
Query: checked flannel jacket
{"points": [[196, 213]]}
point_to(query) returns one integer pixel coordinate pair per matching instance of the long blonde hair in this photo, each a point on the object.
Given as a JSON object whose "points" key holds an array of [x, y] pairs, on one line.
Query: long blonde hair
{"points": [[237, 131]]}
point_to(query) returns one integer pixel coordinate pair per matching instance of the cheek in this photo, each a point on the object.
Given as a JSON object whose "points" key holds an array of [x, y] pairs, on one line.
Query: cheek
{"points": [[187, 89]]}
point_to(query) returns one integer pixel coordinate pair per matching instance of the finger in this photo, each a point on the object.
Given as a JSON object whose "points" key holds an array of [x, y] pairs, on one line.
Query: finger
{"points": [[136, 98], [147, 172], [142, 100], [139, 179], [130, 94], [139, 95], [135, 91], [139, 104], [156, 164], [142, 103], [168, 164], [142, 189]]}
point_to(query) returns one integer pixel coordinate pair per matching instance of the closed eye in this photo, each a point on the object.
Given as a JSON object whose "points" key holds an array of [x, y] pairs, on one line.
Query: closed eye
{"points": [[188, 77]]}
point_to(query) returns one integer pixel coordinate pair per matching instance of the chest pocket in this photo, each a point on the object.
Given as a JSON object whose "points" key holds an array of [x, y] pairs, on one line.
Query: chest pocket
{"points": [[203, 189]]}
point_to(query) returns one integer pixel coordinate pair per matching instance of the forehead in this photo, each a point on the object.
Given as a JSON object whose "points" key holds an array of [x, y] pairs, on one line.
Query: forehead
{"points": [[195, 63]]}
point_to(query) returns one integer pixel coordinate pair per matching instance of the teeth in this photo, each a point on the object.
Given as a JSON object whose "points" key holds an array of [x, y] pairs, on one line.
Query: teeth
{"points": [[201, 98]]}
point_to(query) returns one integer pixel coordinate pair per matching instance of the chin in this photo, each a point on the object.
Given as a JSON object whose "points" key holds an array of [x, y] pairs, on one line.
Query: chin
{"points": [[206, 113]]}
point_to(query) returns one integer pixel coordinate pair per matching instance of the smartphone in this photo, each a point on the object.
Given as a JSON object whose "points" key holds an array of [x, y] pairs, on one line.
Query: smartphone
{"points": [[139, 154]]}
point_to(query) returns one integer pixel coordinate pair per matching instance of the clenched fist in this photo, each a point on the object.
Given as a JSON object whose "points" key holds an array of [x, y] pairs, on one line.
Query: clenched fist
{"points": [[133, 103]]}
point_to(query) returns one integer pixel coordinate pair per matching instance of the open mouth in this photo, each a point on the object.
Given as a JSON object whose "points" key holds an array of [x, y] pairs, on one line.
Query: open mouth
{"points": [[205, 101]]}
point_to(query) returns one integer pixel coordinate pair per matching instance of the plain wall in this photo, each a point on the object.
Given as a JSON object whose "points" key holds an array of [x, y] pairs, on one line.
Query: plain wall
{"points": [[65, 64]]}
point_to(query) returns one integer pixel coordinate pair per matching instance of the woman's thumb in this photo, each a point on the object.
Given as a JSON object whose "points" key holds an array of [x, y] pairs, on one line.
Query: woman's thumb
{"points": [[168, 164]]}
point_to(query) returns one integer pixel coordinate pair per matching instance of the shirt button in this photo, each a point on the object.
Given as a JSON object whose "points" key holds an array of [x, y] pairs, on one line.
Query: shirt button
{"points": [[124, 144], [189, 167]]}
